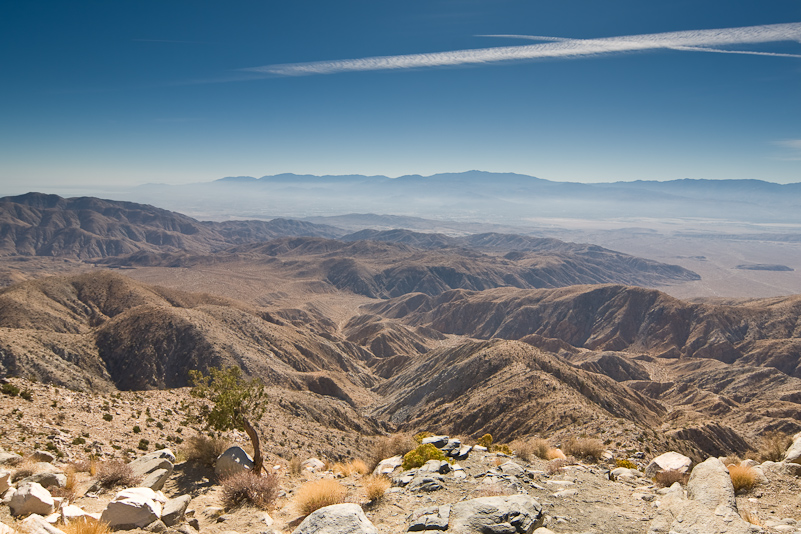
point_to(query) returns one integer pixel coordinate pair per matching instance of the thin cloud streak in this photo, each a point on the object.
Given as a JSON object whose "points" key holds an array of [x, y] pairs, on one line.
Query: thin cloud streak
{"points": [[558, 48]]}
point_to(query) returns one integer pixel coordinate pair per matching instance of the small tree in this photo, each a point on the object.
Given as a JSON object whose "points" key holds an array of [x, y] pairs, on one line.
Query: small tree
{"points": [[234, 403]]}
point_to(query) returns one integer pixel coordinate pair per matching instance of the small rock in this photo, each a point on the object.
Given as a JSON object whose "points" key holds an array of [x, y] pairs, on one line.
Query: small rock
{"points": [[47, 480], [436, 441], [313, 464], [388, 465], [670, 461], [194, 523], [566, 493], [6, 457], [5, 481], [432, 518], [426, 483], [156, 479], [133, 507], [43, 456], [174, 510], [156, 526]]}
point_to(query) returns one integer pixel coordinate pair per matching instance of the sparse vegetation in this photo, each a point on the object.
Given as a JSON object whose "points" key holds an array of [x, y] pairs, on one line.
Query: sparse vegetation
{"points": [[419, 437], [524, 449], [9, 389], [107, 417], [375, 486], [623, 462], [144, 444], [78, 441], [136, 429], [503, 448], [350, 468], [85, 525], [319, 493], [247, 487], [204, 449], [236, 403], [588, 449], [421, 455], [27, 395], [667, 478], [294, 466], [115, 473], [485, 441], [774, 445], [540, 448], [556, 465], [389, 446], [743, 478]]}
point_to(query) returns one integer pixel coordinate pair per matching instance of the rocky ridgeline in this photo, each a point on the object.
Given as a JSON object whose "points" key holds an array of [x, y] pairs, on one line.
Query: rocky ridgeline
{"points": [[476, 490]]}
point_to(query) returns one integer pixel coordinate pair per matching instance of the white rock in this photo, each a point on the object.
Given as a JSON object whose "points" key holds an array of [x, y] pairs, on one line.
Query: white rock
{"points": [[793, 454], [32, 499], [71, 512], [136, 507], [36, 524], [5, 529], [388, 465], [345, 518], [234, 460], [670, 461], [313, 464], [175, 509]]}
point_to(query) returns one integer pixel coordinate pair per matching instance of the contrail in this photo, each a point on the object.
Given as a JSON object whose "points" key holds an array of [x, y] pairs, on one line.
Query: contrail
{"points": [[694, 40]]}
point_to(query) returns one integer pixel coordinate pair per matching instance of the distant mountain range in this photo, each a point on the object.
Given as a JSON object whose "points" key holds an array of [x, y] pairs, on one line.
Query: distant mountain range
{"points": [[504, 198]]}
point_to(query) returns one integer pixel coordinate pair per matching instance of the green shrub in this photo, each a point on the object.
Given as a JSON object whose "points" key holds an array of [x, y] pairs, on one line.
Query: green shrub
{"points": [[107, 417], [628, 464], [78, 441], [485, 441], [136, 429], [27, 395], [421, 455], [160, 425], [422, 435], [10, 389], [502, 448], [143, 444]]}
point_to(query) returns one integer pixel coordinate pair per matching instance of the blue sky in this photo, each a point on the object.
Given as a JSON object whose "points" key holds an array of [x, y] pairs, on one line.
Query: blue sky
{"points": [[121, 93]]}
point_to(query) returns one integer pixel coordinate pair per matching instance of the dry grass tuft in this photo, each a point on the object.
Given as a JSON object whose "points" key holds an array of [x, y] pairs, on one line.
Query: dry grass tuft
{"points": [[743, 478], [589, 449], [80, 466], [295, 466], [319, 493], [491, 490], [246, 487], [732, 459], [70, 489], [85, 525], [774, 445], [665, 479], [375, 486], [204, 449], [389, 446], [540, 448], [354, 467], [115, 473], [555, 454], [751, 517], [556, 465]]}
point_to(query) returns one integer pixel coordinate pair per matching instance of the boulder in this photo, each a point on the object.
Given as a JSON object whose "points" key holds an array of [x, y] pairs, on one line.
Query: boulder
{"points": [[436, 466], [9, 457], [156, 479], [5, 529], [710, 484], [345, 518], [47, 480], [233, 461], [175, 509], [624, 472], [452, 446], [32, 499], [670, 461], [463, 452], [511, 468], [71, 512], [36, 524], [431, 518], [426, 483], [149, 463], [43, 456], [793, 454], [5, 481], [437, 441], [512, 514], [313, 464], [388, 465], [133, 507]]}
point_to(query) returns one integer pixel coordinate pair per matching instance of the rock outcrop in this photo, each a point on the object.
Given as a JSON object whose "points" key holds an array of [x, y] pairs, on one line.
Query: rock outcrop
{"points": [[346, 518]]}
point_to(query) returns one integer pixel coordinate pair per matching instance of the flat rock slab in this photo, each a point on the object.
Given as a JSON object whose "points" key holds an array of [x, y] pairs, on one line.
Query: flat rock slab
{"points": [[175, 509], [32, 499], [345, 518], [432, 518], [512, 514], [133, 507]]}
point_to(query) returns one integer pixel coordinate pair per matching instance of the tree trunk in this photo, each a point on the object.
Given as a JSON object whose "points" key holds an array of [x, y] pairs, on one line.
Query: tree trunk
{"points": [[258, 462]]}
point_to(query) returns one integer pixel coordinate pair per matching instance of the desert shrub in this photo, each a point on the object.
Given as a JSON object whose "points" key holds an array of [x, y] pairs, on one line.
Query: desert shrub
{"points": [[665, 479], [143, 444], [294, 466], [589, 449], [556, 465], [628, 464], [420, 436], [375, 486], [774, 445], [78, 441], [743, 478], [85, 525], [9, 389], [524, 449], [421, 455], [27, 395], [319, 493], [732, 459], [107, 417], [389, 446], [204, 449], [354, 467], [485, 441], [115, 473], [502, 448], [80, 466], [540, 448], [136, 429], [751, 517], [247, 487]]}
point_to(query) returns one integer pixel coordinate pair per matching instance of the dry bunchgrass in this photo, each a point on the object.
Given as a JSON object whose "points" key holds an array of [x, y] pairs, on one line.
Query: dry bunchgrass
{"points": [[353, 467], [665, 479], [389, 446], [319, 493], [85, 525], [774, 445], [589, 449], [70, 489], [555, 454], [732, 459], [743, 478], [204, 449], [375, 486], [294, 466], [751, 517], [247, 487], [540, 448], [115, 473], [80, 466], [556, 465]]}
